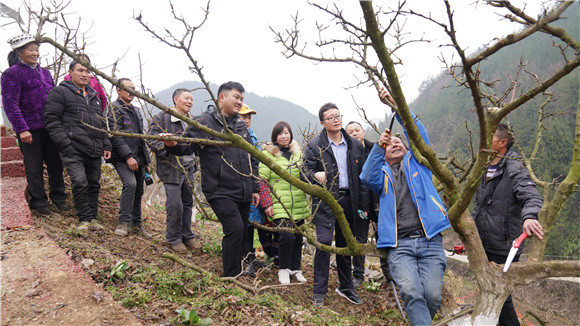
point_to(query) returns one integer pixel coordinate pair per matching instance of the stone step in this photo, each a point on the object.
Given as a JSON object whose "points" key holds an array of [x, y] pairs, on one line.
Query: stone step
{"points": [[6, 142], [10, 154], [12, 169], [3, 131]]}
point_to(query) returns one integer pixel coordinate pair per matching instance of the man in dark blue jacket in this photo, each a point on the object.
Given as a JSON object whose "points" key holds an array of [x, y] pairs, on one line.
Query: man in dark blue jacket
{"points": [[69, 108], [229, 175], [411, 219], [334, 160], [507, 203], [130, 158]]}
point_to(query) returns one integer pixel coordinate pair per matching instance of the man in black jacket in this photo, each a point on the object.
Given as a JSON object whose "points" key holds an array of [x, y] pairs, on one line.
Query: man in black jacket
{"points": [[334, 160], [69, 108], [130, 158], [229, 175], [361, 226], [507, 202]]}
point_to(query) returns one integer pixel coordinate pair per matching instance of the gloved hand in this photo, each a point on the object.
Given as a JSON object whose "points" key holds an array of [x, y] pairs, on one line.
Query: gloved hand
{"points": [[362, 214]]}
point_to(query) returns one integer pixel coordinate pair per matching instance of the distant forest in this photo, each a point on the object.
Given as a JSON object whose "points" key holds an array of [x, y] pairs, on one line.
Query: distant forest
{"points": [[447, 112]]}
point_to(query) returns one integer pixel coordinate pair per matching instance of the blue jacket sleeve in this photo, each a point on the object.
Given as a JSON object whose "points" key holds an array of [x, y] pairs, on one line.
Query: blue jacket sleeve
{"points": [[420, 126], [372, 176]]}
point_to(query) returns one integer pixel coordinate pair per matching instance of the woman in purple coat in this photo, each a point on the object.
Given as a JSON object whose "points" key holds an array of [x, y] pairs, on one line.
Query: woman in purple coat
{"points": [[25, 86]]}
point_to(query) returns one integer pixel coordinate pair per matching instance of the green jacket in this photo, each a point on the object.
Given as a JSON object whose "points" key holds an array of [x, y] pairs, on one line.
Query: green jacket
{"points": [[293, 198]]}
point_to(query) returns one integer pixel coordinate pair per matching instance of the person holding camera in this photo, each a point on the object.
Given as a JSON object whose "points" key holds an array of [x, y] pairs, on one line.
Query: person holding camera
{"points": [[130, 157]]}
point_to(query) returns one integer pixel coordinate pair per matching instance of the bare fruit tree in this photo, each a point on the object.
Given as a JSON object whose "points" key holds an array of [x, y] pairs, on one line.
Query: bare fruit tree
{"points": [[372, 39], [373, 44]]}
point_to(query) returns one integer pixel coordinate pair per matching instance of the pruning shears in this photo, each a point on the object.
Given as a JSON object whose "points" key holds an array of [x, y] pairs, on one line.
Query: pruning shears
{"points": [[514, 250]]}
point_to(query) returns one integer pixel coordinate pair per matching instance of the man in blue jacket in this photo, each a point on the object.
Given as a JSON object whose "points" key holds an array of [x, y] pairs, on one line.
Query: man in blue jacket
{"points": [[411, 218]]}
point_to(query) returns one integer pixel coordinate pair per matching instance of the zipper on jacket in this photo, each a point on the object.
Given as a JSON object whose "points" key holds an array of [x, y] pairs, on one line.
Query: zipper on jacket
{"points": [[389, 180], [415, 197]]}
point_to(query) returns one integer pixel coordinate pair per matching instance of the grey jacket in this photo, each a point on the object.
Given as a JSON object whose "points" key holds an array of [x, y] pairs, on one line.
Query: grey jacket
{"points": [[503, 203], [167, 167]]}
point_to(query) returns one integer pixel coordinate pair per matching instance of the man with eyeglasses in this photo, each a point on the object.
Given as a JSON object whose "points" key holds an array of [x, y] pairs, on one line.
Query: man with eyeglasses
{"points": [[334, 160]]}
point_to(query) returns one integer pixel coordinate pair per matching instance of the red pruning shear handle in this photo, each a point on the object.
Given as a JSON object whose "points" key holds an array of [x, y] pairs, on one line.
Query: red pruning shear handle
{"points": [[517, 243]]}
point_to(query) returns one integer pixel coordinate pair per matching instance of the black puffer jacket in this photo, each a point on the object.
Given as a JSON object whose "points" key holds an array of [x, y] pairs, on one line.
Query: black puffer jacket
{"points": [[127, 118], [503, 203], [314, 163], [65, 114], [226, 172]]}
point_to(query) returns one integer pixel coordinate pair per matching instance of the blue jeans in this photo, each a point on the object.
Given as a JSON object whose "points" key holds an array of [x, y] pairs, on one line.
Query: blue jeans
{"points": [[417, 265]]}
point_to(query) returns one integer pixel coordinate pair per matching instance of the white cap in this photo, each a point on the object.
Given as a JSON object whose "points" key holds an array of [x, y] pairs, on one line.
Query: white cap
{"points": [[21, 40]]}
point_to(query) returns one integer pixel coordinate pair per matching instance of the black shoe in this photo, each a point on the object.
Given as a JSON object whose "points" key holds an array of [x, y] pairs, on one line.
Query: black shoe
{"points": [[62, 206], [357, 282], [349, 295], [250, 271], [258, 264], [318, 299], [41, 211]]}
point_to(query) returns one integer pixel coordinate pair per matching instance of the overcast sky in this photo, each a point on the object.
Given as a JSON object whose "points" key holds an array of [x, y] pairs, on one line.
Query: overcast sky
{"points": [[236, 43]]}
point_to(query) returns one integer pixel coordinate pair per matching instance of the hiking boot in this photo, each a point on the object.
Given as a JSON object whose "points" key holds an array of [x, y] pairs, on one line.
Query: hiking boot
{"points": [[95, 225], [298, 275], [318, 299], [178, 247], [191, 244], [62, 206], [349, 295], [83, 226], [122, 229], [284, 276], [139, 230], [42, 211], [357, 282]]}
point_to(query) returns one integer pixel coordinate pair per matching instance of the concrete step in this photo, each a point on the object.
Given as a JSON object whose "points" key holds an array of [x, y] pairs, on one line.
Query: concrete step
{"points": [[12, 169], [10, 154]]}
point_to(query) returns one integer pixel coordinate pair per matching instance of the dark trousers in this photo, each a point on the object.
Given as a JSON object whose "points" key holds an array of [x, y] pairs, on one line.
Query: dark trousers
{"points": [[269, 241], [133, 188], [508, 314], [289, 245], [361, 233], [322, 258], [42, 150], [178, 209], [84, 172], [233, 216]]}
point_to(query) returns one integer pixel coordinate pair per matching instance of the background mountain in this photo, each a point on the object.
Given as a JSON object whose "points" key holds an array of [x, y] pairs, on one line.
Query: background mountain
{"points": [[269, 109], [447, 112]]}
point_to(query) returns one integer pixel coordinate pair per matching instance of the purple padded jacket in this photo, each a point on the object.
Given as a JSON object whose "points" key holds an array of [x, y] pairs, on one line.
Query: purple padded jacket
{"points": [[24, 92]]}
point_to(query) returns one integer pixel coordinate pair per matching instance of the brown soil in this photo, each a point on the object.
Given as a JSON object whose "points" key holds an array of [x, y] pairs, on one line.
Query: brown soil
{"points": [[39, 300], [37, 289]]}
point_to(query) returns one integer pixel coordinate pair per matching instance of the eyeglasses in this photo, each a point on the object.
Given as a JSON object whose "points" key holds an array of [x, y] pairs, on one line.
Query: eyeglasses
{"points": [[334, 119]]}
